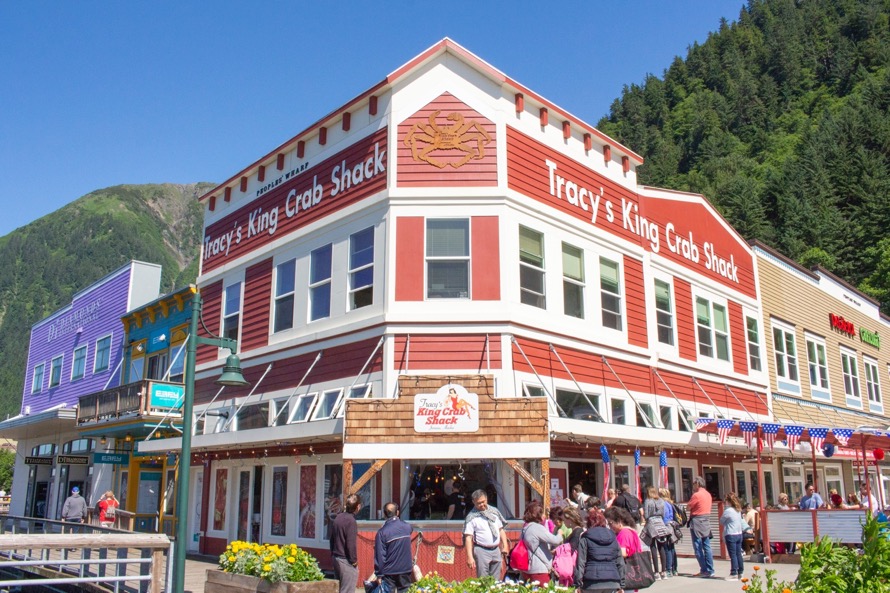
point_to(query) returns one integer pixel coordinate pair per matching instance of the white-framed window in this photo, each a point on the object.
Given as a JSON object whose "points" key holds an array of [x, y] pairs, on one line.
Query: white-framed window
{"points": [[611, 294], [793, 477], [872, 382], [618, 414], [573, 281], [667, 417], [285, 291], [785, 349], [752, 329], [302, 407], [326, 404], [102, 360], [713, 329], [361, 269], [818, 368], [851, 377], [157, 365], [532, 289], [280, 413], [253, 416], [55, 371], [579, 406], [320, 262], [37, 379], [448, 258], [833, 479], [646, 415], [664, 312], [232, 311], [79, 363], [355, 392]]}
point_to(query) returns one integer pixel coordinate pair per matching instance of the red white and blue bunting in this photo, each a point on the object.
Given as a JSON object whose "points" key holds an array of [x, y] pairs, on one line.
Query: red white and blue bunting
{"points": [[791, 434]]}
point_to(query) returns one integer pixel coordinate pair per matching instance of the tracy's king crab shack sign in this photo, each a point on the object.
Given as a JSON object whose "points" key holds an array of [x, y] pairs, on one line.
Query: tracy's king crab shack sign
{"points": [[451, 409]]}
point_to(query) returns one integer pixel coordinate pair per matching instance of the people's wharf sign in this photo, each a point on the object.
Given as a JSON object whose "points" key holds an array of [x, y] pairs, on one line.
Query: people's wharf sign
{"points": [[450, 409]]}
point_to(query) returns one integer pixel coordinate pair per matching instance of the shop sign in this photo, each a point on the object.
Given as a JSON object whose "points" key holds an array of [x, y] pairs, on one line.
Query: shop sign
{"points": [[870, 337], [112, 458], [166, 396], [451, 409], [841, 324], [73, 460], [38, 461]]}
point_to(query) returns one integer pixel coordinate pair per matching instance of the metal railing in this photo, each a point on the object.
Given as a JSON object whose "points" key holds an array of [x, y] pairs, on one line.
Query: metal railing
{"points": [[55, 552]]}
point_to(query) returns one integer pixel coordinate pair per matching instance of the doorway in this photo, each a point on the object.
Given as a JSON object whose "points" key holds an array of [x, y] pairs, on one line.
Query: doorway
{"points": [[250, 504], [716, 481]]}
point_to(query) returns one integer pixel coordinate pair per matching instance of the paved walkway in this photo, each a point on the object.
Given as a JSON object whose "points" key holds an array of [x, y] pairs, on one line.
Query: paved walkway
{"points": [[196, 567]]}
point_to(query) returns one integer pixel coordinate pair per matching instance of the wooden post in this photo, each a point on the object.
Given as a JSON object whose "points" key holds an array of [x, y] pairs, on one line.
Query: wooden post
{"points": [[347, 479], [545, 478]]}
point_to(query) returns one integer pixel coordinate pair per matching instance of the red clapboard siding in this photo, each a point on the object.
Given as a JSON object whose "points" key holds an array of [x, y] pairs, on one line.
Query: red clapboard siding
{"points": [[305, 181], [458, 353], [528, 174], [738, 336], [257, 302], [409, 258], [686, 390], [211, 312], [338, 363], [688, 345], [485, 264], [636, 302], [477, 172]]}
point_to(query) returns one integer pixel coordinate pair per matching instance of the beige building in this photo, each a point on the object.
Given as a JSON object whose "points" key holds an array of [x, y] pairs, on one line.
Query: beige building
{"points": [[826, 368]]}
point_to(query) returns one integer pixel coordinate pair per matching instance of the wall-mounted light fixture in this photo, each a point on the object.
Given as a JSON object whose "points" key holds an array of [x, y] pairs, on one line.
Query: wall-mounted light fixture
{"points": [[103, 441], [128, 438]]}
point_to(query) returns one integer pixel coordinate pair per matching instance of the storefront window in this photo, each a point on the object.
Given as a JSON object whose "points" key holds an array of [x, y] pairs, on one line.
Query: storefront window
{"points": [[431, 487], [793, 479]]}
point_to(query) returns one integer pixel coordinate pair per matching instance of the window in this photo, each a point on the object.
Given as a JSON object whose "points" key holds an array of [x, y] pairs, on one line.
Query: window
{"points": [[137, 368], [103, 354], [578, 405], [37, 380], [285, 280], [618, 411], [448, 258], [786, 354], [326, 404], [55, 372], [872, 382], [664, 312], [851, 375], [573, 281], [833, 479], [320, 283], [531, 268], [667, 417], [157, 366], [253, 416], [818, 367], [361, 269], [232, 311], [177, 366], [302, 407], [793, 478], [713, 330], [79, 364], [753, 344], [610, 293], [645, 415], [356, 392]]}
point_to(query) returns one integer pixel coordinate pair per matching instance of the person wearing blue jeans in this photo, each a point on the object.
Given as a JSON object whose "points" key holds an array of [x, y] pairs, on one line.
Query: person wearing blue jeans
{"points": [[733, 529], [699, 509]]}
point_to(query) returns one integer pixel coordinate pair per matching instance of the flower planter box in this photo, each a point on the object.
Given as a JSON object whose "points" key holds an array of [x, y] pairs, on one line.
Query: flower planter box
{"points": [[225, 582]]}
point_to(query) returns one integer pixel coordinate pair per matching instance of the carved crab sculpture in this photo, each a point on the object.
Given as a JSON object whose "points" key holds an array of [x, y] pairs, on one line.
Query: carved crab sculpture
{"points": [[467, 137]]}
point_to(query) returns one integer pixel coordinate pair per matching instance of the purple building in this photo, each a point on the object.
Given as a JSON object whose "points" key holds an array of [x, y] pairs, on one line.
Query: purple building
{"points": [[75, 351]]}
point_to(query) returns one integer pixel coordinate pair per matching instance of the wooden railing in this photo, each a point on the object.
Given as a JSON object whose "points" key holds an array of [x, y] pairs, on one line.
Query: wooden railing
{"points": [[132, 398]]}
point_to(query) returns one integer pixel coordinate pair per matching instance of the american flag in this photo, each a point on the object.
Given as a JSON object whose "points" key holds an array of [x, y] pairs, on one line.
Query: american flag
{"points": [[663, 464], [607, 466], [748, 431], [842, 435], [723, 428], [769, 434], [792, 435], [637, 472], [702, 422], [817, 437]]}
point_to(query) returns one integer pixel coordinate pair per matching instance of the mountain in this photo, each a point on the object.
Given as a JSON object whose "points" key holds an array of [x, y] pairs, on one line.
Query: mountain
{"points": [[781, 120], [45, 262]]}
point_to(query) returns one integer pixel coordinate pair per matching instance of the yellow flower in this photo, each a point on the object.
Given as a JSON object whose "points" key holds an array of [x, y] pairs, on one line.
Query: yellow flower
{"points": [[291, 559], [231, 558], [267, 567], [279, 553]]}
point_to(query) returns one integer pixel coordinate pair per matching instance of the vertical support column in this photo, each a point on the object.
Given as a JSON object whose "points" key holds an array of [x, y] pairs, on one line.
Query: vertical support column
{"points": [[545, 483]]}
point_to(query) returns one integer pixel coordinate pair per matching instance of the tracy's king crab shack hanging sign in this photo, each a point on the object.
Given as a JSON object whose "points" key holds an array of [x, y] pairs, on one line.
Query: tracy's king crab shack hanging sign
{"points": [[451, 409]]}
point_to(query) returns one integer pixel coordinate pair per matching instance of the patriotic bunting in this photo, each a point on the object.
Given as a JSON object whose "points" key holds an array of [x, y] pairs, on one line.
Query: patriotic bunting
{"points": [[637, 472], [792, 435], [749, 429], [663, 464], [723, 428], [769, 434], [607, 474], [842, 435], [817, 437], [700, 422]]}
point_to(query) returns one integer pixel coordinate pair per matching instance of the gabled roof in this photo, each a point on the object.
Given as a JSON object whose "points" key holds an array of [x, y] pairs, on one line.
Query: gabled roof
{"points": [[442, 47]]}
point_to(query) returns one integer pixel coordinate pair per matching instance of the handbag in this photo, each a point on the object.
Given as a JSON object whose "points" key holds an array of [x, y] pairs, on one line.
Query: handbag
{"points": [[638, 572], [518, 556], [416, 571]]}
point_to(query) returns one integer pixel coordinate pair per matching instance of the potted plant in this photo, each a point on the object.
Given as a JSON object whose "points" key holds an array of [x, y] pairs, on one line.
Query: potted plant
{"points": [[267, 568]]}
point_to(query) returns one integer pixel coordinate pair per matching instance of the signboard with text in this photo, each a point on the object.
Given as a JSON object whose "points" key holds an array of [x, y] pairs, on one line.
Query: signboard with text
{"points": [[166, 396], [451, 409]]}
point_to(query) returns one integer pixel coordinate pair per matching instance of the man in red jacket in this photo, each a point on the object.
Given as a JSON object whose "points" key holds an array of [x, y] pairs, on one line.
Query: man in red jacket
{"points": [[699, 511]]}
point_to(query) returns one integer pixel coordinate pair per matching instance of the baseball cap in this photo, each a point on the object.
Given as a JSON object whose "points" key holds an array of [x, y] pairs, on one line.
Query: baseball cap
{"points": [[75, 490]]}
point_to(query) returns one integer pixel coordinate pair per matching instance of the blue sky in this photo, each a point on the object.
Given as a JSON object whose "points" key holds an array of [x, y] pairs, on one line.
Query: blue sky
{"points": [[97, 94]]}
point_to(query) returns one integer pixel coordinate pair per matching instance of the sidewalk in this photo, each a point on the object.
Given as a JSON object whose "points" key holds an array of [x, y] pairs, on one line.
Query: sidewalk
{"points": [[718, 584]]}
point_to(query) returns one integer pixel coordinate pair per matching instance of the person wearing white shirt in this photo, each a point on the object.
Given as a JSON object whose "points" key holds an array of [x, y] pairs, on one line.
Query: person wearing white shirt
{"points": [[866, 501]]}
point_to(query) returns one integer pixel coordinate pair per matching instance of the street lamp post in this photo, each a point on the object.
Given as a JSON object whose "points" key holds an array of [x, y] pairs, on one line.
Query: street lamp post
{"points": [[231, 376]]}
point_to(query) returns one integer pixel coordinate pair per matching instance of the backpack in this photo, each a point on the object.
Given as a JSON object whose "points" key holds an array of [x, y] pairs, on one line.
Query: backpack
{"points": [[631, 503], [110, 512], [518, 558], [564, 558], [680, 516]]}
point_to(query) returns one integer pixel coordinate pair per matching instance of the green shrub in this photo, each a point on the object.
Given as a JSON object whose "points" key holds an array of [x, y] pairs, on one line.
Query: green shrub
{"points": [[271, 562], [433, 583]]}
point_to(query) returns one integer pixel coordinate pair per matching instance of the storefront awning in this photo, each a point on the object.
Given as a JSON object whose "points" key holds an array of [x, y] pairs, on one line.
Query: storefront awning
{"points": [[46, 423]]}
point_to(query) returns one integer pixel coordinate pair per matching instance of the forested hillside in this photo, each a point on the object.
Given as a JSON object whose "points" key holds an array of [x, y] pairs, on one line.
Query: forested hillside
{"points": [[781, 120], [44, 263]]}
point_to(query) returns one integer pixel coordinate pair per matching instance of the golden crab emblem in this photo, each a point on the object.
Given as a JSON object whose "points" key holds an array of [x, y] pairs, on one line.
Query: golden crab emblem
{"points": [[467, 137]]}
